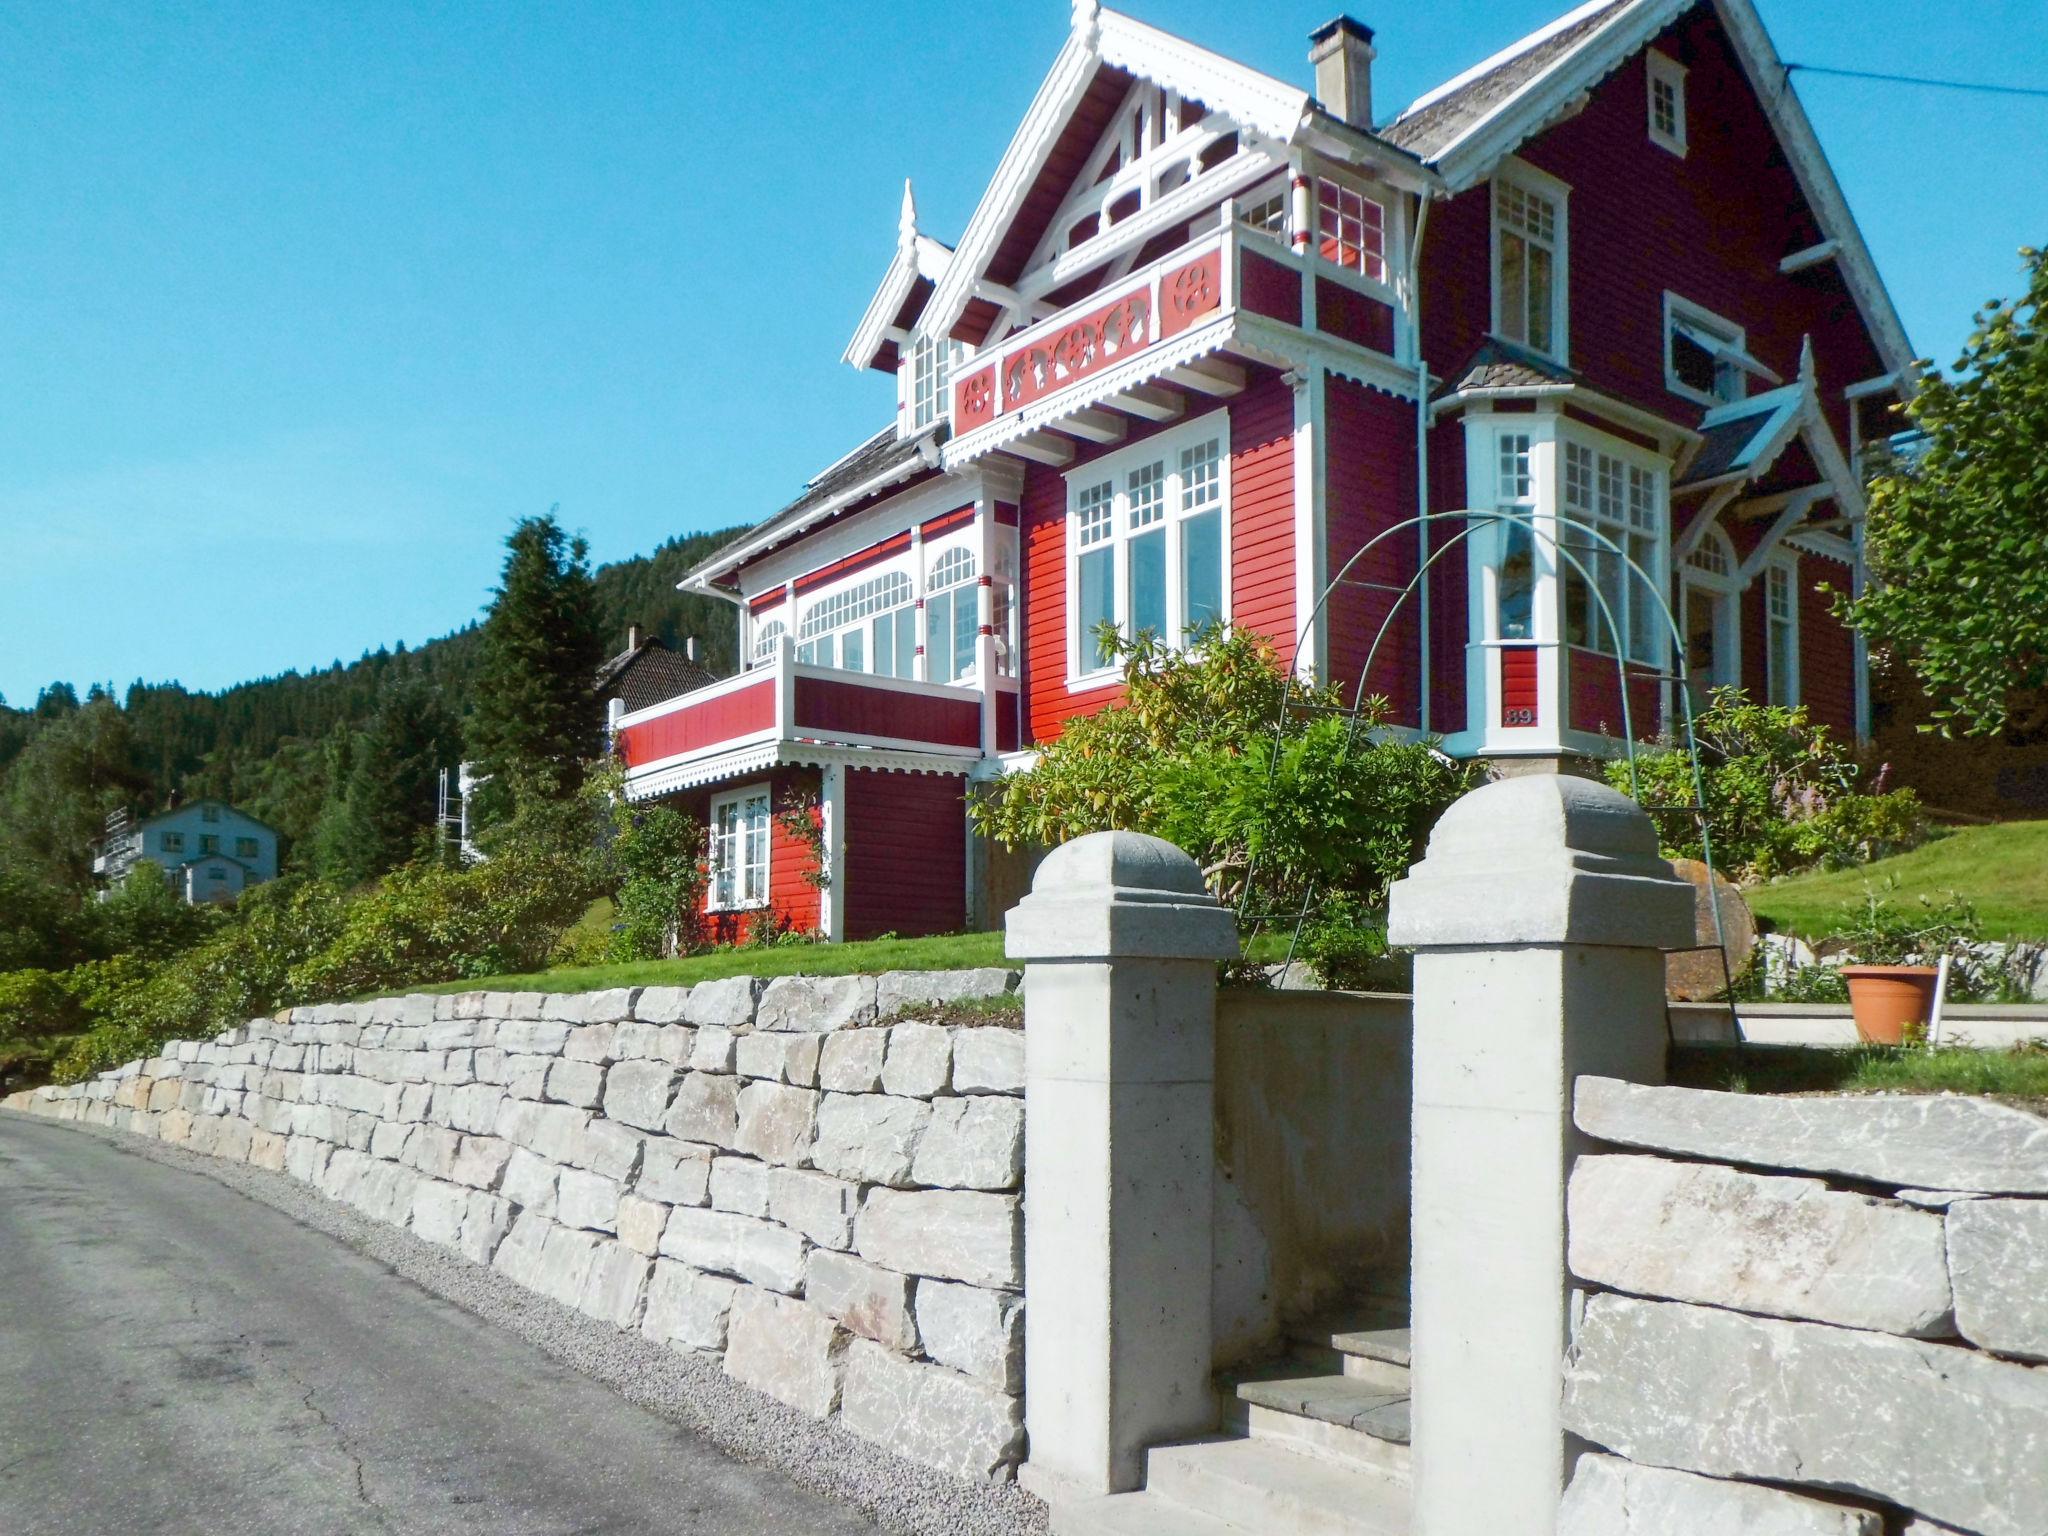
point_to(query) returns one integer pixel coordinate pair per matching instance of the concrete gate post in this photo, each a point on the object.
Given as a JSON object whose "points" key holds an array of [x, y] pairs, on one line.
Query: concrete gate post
{"points": [[1120, 940], [1537, 919]]}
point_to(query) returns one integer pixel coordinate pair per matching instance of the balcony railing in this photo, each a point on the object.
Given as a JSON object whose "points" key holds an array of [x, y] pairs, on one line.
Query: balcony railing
{"points": [[784, 701]]}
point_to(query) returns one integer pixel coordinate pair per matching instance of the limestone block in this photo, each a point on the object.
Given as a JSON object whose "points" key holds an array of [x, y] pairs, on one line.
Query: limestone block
{"points": [[432, 1149], [740, 1184], [526, 1077], [673, 1173], [602, 1147], [988, 1059], [616, 1287], [532, 1036], [593, 1043], [706, 1109], [759, 1252], [475, 1108], [920, 1061], [640, 1223], [489, 1219], [414, 1100], [525, 1005], [490, 1065], [779, 1058], [547, 1129], [898, 991], [610, 1005], [776, 1122], [930, 1415], [565, 1265], [1612, 1497], [563, 1007], [786, 1349], [481, 1162], [714, 1049], [851, 1061], [947, 1234], [388, 1140], [979, 1333], [638, 1093], [305, 1158], [869, 1136], [816, 1004], [686, 1308], [451, 1034], [576, 1082], [232, 1142], [588, 1200], [816, 1204], [1941, 1141], [266, 1150], [438, 1211], [728, 1001], [972, 1143], [660, 1005], [1949, 1433], [671, 1043], [1785, 1247], [530, 1182], [416, 1008], [519, 1255], [1998, 1258], [863, 1298], [383, 1191]]}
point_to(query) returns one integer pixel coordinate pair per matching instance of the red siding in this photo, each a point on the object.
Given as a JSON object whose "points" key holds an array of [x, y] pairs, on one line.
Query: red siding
{"points": [[1261, 554], [1448, 593], [793, 899], [1267, 288], [700, 725], [1345, 312], [1521, 687], [906, 854], [1595, 689], [1827, 649], [1370, 488], [829, 707]]}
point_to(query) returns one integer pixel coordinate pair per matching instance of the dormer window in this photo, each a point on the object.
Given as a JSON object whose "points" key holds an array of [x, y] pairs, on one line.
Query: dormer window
{"points": [[931, 371], [1667, 103], [1529, 262]]}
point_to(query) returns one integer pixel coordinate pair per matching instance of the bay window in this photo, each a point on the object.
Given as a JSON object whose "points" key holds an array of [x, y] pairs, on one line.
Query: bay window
{"points": [[739, 849], [1515, 578], [1146, 541], [1622, 500], [1529, 263]]}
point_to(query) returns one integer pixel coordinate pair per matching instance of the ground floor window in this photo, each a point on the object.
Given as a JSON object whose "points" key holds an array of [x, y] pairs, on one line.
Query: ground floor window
{"points": [[739, 849], [1781, 618], [1624, 503]]}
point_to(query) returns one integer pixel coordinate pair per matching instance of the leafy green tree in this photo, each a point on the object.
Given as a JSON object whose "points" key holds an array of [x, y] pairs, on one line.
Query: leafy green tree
{"points": [[55, 800], [388, 796], [537, 715], [1958, 529], [1277, 794]]}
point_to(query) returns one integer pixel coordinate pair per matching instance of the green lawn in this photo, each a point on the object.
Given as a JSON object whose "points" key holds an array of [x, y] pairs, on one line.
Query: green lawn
{"points": [[2002, 869], [2021, 1072], [946, 952]]}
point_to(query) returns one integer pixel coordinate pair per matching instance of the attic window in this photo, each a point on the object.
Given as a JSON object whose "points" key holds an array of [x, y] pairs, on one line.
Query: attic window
{"points": [[1667, 103], [931, 367], [1705, 358], [1351, 230]]}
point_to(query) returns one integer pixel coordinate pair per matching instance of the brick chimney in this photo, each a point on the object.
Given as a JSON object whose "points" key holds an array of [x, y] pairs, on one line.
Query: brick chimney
{"points": [[1342, 53]]}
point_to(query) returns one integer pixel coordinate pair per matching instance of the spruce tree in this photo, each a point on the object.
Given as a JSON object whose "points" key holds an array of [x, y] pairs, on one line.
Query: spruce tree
{"points": [[537, 715], [388, 797]]}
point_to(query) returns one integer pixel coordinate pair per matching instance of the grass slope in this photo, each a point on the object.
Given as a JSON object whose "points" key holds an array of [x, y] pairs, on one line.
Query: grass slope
{"points": [[2003, 869]]}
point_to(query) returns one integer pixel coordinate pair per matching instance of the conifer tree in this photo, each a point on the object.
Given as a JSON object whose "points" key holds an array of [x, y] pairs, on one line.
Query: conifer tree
{"points": [[536, 717], [388, 797]]}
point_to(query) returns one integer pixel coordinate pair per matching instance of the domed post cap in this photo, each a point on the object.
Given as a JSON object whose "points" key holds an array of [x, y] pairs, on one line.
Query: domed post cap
{"points": [[1120, 896], [1542, 859]]}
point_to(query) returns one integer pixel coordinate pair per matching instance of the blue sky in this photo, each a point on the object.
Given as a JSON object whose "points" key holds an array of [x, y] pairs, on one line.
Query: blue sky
{"points": [[301, 305]]}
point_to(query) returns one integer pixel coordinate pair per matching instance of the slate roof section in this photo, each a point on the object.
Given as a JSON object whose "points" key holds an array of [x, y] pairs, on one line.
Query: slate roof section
{"points": [[1437, 122], [1744, 437], [1498, 364], [649, 673]]}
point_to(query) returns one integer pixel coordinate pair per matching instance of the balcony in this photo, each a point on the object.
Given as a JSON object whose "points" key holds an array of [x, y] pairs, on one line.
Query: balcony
{"points": [[784, 712]]}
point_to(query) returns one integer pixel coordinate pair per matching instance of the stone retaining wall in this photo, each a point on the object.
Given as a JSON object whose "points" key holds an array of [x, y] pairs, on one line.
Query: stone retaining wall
{"points": [[801, 1175], [1843, 1296]]}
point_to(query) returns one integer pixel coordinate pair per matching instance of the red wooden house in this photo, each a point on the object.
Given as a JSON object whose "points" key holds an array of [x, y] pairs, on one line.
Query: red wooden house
{"points": [[1211, 341]]}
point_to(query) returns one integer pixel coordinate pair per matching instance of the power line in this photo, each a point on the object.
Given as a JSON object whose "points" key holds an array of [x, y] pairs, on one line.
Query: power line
{"points": [[1940, 85]]}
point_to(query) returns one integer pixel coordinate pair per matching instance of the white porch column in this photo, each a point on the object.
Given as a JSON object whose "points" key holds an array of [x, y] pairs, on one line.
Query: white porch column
{"points": [[1537, 920], [985, 619], [1121, 942], [832, 816]]}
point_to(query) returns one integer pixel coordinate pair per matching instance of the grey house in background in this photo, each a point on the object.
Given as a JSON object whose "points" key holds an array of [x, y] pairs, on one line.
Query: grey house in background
{"points": [[210, 850]]}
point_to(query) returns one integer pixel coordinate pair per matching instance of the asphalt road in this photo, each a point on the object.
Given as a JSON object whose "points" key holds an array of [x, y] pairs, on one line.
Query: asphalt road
{"points": [[176, 1357]]}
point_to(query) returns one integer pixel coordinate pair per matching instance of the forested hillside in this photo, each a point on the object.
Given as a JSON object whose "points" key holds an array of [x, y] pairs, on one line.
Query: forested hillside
{"points": [[280, 746]]}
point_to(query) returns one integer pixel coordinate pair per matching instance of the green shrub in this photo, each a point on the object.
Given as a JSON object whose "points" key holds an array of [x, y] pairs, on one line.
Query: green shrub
{"points": [[38, 1014], [1780, 794]]}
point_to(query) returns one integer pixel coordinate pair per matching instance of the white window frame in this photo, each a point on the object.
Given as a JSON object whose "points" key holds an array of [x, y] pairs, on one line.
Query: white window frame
{"points": [[1373, 269], [863, 599], [1782, 567], [928, 395], [1682, 314], [1116, 469], [1723, 586], [1530, 182], [767, 636], [171, 842], [1632, 468], [1666, 71], [720, 846], [951, 570]]}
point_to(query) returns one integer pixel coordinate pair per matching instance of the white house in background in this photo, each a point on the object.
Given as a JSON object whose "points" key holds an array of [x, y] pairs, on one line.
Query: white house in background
{"points": [[210, 850]]}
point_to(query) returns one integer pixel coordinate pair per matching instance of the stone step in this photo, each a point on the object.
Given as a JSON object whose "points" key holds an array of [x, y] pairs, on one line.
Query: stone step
{"points": [[1136, 1514], [1368, 1332], [1262, 1487], [1363, 1406], [1312, 1437]]}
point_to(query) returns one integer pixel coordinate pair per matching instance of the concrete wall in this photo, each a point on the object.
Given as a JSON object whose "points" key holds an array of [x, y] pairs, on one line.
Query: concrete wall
{"points": [[809, 1177], [1844, 1298], [1312, 1119]]}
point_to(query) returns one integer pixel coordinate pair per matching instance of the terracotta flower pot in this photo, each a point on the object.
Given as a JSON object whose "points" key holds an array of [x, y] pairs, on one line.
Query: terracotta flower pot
{"points": [[1885, 999]]}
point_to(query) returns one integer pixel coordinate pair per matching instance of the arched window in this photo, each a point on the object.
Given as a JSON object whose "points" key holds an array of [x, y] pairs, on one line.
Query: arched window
{"points": [[1708, 614], [767, 637], [835, 631], [952, 616]]}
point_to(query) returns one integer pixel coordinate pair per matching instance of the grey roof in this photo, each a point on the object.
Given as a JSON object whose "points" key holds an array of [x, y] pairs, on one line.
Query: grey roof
{"points": [[1745, 436], [649, 673], [1427, 131], [1498, 364], [877, 456]]}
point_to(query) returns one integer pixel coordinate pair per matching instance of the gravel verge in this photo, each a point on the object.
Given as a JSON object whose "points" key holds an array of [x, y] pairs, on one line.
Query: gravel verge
{"points": [[690, 1391]]}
